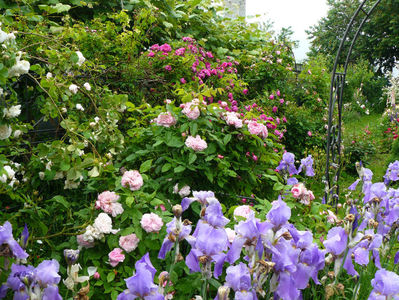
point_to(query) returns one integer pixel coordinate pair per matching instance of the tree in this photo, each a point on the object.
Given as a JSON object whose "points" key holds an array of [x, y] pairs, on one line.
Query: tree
{"points": [[378, 40]]}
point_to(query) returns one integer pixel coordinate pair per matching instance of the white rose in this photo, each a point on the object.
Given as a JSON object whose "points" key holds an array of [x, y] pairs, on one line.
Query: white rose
{"points": [[79, 107], [103, 223], [96, 119], [122, 108], [5, 132], [3, 36], [10, 172], [21, 67], [64, 110], [87, 86], [73, 88], [81, 58], [12, 112], [184, 191], [49, 75], [17, 133]]}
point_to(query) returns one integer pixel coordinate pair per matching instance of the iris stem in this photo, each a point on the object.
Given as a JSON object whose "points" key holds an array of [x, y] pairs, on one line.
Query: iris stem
{"points": [[203, 292], [341, 267], [175, 257]]}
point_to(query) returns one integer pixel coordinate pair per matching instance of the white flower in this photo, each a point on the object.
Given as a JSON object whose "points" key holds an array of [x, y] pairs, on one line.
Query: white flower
{"points": [[17, 133], [73, 88], [21, 67], [10, 36], [122, 108], [87, 86], [92, 124], [64, 110], [79, 107], [1, 91], [41, 175], [103, 223], [49, 75], [5, 131], [12, 112], [81, 58], [184, 191], [10, 173], [3, 36], [96, 119], [73, 276]]}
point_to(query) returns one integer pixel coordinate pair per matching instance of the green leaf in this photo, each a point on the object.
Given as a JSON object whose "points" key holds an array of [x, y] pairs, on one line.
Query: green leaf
{"points": [[129, 201], [179, 169], [175, 142], [61, 200], [110, 276], [166, 167], [167, 24], [145, 166], [192, 157], [278, 186], [226, 139]]}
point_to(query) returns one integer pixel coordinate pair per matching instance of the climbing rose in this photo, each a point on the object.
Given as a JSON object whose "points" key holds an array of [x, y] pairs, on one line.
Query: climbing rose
{"points": [[165, 119], [132, 180], [257, 129], [108, 202], [191, 109], [129, 242], [196, 143], [116, 256], [298, 190], [243, 211], [151, 222], [5, 131]]}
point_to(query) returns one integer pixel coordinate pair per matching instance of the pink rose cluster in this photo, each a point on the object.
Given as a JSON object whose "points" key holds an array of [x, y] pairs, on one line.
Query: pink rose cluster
{"points": [[300, 192], [233, 119], [116, 256], [244, 211], [257, 129], [165, 119], [108, 202], [129, 242], [151, 222], [132, 180], [196, 143], [191, 110]]}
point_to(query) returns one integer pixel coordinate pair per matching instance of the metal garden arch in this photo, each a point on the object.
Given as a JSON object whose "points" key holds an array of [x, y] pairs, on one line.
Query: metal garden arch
{"points": [[334, 137]]}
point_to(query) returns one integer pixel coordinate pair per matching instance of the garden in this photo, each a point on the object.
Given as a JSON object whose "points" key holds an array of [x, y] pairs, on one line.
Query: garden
{"points": [[161, 150]]}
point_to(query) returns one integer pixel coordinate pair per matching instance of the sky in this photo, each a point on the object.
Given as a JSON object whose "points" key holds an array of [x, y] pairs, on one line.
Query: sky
{"points": [[299, 14]]}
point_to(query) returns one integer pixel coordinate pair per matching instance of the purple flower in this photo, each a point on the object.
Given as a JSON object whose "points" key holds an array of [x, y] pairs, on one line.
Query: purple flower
{"points": [[176, 231], [239, 279], [280, 213], [377, 190], [287, 164], [141, 285], [385, 285], [25, 236], [6, 237], [292, 181], [392, 173], [200, 196], [336, 241], [353, 186], [307, 163]]}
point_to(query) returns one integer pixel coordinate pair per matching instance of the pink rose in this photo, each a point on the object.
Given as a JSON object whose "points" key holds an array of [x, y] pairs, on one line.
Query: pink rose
{"points": [[107, 201], [298, 190], [151, 222], [331, 218], [129, 242], [196, 143], [168, 68], [165, 48], [96, 275], [82, 242], [132, 180], [165, 119], [243, 211], [182, 80], [232, 119], [257, 129], [191, 110], [116, 256]]}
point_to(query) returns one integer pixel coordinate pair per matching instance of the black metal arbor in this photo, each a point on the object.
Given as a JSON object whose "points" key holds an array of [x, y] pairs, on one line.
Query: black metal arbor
{"points": [[334, 135]]}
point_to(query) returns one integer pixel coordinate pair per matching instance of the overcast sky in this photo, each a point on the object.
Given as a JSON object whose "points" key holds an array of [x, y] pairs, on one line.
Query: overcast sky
{"points": [[299, 14]]}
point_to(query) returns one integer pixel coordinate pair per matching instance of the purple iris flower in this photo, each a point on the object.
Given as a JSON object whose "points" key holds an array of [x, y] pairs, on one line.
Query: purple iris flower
{"points": [[176, 230], [353, 186], [292, 181], [376, 190], [238, 278], [214, 215], [208, 244], [385, 285], [141, 285], [396, 258], [25, 236], [280, 213], [200, 196], [392, 173], [287, 164], [353, 211], [307, 164], [41, 282], [6, 237], [337, 240]]}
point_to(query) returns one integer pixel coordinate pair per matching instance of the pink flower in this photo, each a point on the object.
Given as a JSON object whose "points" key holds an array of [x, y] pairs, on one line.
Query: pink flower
{"points": [[196, 143], [243, 211], [254, 157], [108, 202], [309, 133], [298, 190], [182, 80], [168, 68], [331, 218], [165, 48], [96, 275], [281, 101], [180, 51], [82, 242], [191, 109], [231, 234], [165, 119], [274, 109], [257, 129], [132, 180], [116, 256], [233, 119], [151, 54], [151, 222], [271, 97], [220, 156], [129, 242], [155, 47]]}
